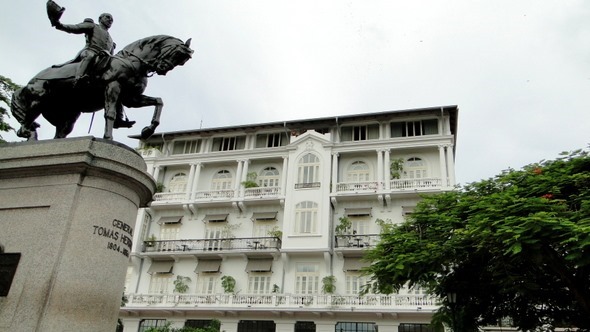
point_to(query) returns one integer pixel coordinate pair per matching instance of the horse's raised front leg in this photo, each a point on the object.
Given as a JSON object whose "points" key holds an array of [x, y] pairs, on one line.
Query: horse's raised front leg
{"points": [[111, 98], [143, 100]]}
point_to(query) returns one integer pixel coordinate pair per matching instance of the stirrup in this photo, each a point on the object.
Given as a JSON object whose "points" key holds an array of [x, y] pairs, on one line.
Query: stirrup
{"points": [[120, 123]]}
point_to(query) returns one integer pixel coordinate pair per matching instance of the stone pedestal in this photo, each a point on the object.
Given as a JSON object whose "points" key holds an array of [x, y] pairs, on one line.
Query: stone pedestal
{"points": [[69, 207]]}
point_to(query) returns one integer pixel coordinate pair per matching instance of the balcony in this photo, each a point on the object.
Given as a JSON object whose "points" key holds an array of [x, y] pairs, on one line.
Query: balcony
{"points": [[215, 197], [418, 184], [286, 302], [353, 245], [356, 187], [203, 247]]}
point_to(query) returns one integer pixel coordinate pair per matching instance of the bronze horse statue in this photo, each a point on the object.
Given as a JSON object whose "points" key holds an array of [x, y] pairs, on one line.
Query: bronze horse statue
{"points": [[119, 82]]}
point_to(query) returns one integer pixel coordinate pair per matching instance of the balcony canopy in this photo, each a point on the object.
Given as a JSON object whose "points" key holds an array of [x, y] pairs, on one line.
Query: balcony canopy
{"points": [[208, 266], [170, 220], [259, 265], [215, 217], [161, 267], [354, 264], [358, 212], [264, 216]]}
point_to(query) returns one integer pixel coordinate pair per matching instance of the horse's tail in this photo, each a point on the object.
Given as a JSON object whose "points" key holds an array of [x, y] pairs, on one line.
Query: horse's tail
{"points": [[19, 111], [16, 106]]}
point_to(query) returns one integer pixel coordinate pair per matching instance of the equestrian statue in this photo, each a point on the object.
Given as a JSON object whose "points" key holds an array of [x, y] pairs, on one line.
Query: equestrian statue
{"points": [[97, 79]]}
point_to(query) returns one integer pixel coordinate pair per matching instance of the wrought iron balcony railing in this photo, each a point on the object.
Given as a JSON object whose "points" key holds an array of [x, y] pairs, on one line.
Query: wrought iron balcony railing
{"points": [[250, 243], [356, 241]]}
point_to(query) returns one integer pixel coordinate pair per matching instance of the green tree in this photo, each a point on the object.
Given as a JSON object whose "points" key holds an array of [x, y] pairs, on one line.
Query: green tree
{"points": [[7, 88], [516, 245]]}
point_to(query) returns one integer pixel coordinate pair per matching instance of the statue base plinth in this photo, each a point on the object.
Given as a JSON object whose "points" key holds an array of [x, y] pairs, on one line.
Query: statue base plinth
{"points": [[68, 207]]}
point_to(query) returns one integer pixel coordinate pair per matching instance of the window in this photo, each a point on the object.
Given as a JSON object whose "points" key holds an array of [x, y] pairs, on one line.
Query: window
{"points": [[222, 180], [269, 177], [355, 282], [358, 171], [304, 327], [256, 326], [414, 128], [159, 283], [307, 278], [168, 233], [207, 283], [271, 140], [229, 143], [414, 168], [258, 283], [306, 214], [355, 327], [200, 323], [214, 234], [359, 133], [186, 147], [405, 327], [308, 172], [146, 324], [178, 183]]}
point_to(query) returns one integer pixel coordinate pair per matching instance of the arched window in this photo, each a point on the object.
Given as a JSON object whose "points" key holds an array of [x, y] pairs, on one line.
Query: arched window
{"points": [[308, 171], [178, 183], [269, 177], [221, 180], [306, 215], [415, 168], [358, 171]]}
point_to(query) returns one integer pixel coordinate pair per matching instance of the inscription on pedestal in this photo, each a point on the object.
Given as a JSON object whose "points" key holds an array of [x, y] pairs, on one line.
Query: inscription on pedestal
{"points": [[119, 236]]}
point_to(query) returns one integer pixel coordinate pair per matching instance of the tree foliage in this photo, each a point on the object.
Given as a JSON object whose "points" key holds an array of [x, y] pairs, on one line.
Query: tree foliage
{"points": [[7, 88], [516, 245]]}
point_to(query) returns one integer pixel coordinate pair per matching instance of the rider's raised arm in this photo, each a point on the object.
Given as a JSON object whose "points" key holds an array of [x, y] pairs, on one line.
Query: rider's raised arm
{"points": [[79, 28]]}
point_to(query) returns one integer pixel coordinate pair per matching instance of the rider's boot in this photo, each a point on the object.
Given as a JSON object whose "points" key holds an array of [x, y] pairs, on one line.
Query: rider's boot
{"points": [[123, 123]]}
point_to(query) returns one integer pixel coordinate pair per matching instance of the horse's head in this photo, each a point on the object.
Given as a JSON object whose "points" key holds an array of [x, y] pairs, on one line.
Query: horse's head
{"points": [[160, 53], [174, 53]]}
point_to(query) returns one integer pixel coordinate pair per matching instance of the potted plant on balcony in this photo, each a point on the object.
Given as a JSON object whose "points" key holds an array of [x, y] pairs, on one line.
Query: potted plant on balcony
{"points": [[395, 168], [150, 241], [160, 187], [181, 284], [329, 284], [229, 284], [250, 180], [275, 232], [343, 228]]}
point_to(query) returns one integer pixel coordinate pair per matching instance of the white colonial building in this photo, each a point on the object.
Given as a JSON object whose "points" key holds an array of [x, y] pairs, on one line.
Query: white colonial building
{"points": [[264, 205]]}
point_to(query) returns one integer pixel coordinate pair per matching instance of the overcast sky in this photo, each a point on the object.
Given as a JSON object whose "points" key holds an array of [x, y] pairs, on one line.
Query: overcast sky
{"points": [[518, 70]]}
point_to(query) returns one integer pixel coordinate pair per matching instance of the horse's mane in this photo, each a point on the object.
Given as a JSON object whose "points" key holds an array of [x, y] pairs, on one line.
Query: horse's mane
{"points": [[141, 43]]}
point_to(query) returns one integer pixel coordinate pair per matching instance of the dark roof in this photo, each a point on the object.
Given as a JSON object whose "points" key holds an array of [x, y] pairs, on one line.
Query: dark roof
{"points": [[315, 123]]}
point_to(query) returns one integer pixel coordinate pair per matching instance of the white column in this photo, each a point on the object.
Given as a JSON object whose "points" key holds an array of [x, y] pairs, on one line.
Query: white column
{"points": [[229, 325], [238, 177], [325, 326], [284, 326], [380, 169], [195, 185], [334, 172], [244, 176], [451, 165], [443, 165], [388, 326], [189, 183], [130, 324], [156, 172], [387, 170], [284, 175]]}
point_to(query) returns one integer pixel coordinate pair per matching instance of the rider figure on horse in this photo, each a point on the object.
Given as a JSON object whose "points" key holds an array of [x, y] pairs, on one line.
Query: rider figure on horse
{"points": [[99, 45]]}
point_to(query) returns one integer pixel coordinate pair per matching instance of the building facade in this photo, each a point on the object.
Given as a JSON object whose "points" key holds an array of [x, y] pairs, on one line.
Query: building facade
{"points": [[263, 227]]}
